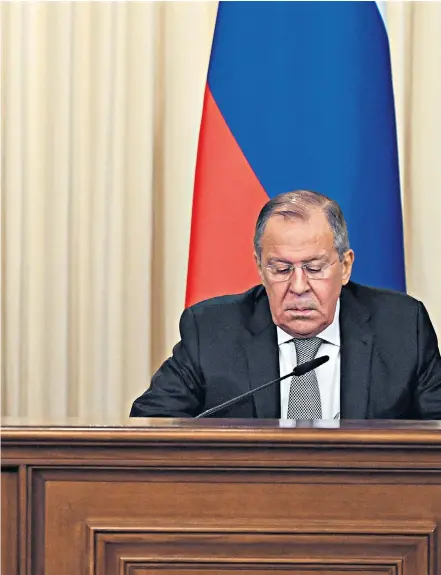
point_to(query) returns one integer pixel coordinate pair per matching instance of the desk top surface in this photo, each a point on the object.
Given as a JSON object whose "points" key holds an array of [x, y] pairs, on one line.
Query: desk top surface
{"points": [[97, 422], [231, 431]]}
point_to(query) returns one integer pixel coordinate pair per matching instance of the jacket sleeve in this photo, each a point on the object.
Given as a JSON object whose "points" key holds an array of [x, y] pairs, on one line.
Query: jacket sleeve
{"points": [[177, 388], [428, 391]]}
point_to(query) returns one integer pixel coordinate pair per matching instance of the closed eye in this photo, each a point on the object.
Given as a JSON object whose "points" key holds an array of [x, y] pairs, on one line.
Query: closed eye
{"points": [[282, 270], [313, 269]]}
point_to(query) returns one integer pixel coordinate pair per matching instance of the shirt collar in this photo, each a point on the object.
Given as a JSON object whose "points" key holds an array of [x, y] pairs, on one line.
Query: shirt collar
{"points": [[331, 334]]}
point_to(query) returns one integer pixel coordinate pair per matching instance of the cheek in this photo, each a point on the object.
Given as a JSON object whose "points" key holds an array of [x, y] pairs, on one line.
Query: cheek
{"points": [[327, 294], [276, 294]]}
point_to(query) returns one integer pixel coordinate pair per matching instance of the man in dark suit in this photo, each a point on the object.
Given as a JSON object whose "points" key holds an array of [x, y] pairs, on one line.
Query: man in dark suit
{"points": [[384, 358]]}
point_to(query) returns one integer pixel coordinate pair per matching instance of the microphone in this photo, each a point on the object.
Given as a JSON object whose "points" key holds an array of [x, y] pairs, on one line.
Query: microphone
{"points": [[297, 371]]}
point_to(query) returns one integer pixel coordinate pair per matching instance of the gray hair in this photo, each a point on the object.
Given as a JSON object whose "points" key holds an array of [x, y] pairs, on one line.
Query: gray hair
{"points": [[299, 204]]}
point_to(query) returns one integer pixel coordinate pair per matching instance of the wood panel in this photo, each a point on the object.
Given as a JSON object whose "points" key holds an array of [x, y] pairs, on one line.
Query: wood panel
{"points": [[98, 520], [158, 569], [180, 497], [232, 553], [10, 524]]}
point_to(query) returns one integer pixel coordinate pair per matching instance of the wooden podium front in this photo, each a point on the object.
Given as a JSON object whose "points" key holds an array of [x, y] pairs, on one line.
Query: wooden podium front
{"points": [[221, 497]]}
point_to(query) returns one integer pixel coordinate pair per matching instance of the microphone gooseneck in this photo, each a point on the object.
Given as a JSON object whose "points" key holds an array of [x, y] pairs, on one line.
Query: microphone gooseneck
{"points": [[297, 372]]}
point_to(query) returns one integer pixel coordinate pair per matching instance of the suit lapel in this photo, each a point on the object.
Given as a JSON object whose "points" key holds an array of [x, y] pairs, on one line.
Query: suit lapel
{"points": [[356, 356], [262, 356]]}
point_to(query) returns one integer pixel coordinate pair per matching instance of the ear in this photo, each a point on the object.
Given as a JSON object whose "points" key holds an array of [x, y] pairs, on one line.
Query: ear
{"points": [[258, 264], [346, 264]]}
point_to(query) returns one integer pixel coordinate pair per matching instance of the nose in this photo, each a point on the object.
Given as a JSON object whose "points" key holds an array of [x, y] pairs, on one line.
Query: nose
{"points": [[299, 282]]}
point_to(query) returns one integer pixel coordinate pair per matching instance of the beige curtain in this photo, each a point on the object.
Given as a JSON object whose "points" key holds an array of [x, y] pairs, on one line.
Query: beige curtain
{"points": [[101, 105], [100, 111], [415, 38]]}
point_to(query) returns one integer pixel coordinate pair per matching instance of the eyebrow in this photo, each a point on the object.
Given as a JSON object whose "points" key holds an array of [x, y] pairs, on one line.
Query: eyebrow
{"points": [[283, 261]]}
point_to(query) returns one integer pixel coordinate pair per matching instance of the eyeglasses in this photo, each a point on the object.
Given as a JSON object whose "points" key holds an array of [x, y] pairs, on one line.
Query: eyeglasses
{"points": [[283, 272]]}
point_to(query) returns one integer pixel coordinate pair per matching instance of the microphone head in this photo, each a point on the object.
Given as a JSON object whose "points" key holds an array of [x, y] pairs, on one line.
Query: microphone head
{"points": [[310, 365]]}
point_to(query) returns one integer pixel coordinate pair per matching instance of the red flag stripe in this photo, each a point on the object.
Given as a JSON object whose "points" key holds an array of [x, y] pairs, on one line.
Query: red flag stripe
{"points": [[227, 199]]}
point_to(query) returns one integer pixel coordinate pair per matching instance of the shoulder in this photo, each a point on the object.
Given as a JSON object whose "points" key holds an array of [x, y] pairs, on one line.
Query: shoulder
{"points": [[229, 303], [225, 314], [393, 317], [380, 299]]}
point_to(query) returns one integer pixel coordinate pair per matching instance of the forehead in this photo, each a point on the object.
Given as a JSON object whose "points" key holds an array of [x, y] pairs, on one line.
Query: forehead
{"points": [[312, 235]]}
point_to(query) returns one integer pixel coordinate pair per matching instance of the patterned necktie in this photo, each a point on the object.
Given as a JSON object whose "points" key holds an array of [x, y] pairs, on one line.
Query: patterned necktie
{"points": [[304, 394]]}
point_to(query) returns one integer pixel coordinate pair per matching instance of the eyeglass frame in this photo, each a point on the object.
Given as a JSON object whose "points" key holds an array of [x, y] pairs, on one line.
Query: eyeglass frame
{"points": [[303, 267]]}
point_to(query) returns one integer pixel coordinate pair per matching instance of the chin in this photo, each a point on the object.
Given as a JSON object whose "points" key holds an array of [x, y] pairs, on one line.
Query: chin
{"points": [[302, 327], [311, 332]]}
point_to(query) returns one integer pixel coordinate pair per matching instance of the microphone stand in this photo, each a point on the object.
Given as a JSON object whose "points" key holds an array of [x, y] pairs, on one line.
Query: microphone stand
{"points": [[298, 371]]}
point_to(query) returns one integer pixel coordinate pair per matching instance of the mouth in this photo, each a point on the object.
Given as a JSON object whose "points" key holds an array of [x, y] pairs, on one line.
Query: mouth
{"points": [[300, 311]]}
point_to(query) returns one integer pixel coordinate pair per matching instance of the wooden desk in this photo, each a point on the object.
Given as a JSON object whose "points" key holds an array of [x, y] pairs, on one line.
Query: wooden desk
{"points": [[210, 497]]}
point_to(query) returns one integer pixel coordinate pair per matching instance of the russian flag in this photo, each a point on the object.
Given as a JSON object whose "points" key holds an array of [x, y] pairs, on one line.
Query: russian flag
{"points": [[299, 96]]}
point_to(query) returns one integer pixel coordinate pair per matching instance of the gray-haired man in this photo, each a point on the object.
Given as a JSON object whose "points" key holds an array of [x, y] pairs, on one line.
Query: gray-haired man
{"points": [[384, 357]]}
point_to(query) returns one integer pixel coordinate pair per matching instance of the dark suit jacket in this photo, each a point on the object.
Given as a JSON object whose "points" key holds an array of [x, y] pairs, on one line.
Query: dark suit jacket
{"points": [[390, 362]]}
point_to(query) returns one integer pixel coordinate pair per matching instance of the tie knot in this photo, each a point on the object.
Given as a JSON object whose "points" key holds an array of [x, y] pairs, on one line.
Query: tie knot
{"points": [[306, 349]]}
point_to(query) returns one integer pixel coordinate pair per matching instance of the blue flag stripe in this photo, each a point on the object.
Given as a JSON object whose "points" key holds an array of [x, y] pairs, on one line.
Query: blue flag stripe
{"points": [[306, 89]]}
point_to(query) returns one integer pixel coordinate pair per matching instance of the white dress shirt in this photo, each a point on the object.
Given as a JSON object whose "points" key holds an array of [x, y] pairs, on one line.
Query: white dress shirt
{"points": [[328, 374]]}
